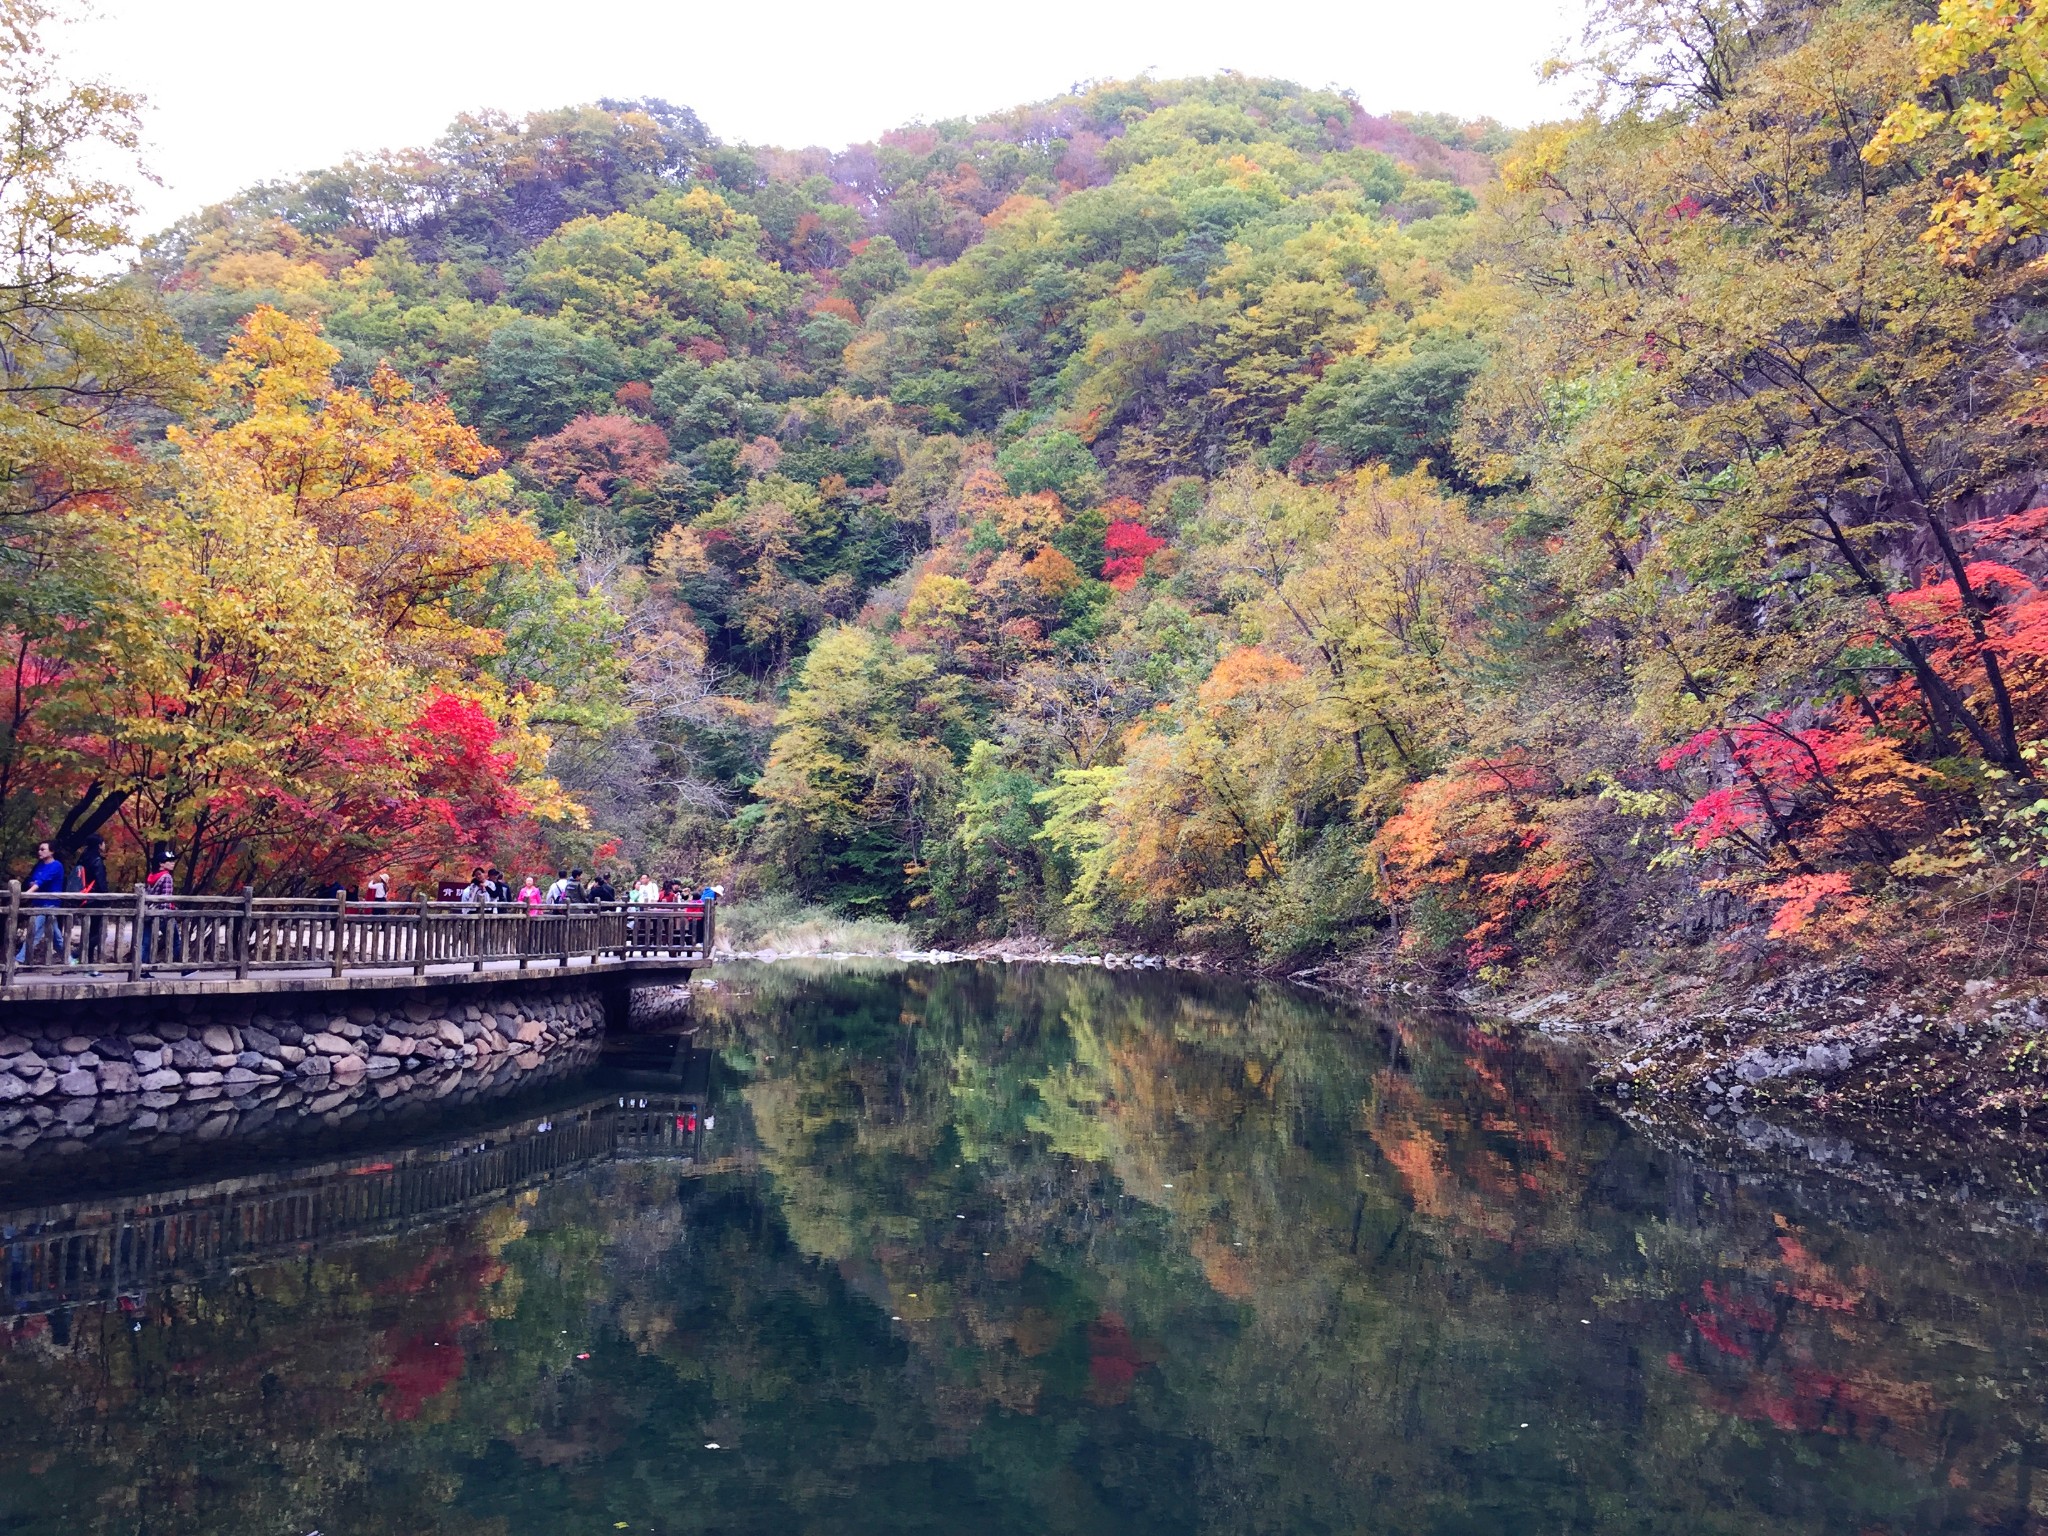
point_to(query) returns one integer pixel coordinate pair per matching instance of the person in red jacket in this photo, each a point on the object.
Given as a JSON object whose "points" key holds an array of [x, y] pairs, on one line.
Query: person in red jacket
{"points": [[158, 888]]}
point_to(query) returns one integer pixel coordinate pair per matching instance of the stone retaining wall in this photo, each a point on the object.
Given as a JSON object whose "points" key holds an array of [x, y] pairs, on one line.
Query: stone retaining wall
{"points": [[116, 1130], [192, 1050]]}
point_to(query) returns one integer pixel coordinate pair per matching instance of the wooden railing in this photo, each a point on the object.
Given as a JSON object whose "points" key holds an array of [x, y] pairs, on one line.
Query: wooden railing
{"points": [[137, 937], [98, 1250]]}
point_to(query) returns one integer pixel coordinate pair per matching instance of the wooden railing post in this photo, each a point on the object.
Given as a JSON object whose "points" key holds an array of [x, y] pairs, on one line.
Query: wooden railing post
{"points": [[477, 931], [419, 940], [340, 957], [710, 924], [244, 931], [136, 940], [13, 923]]}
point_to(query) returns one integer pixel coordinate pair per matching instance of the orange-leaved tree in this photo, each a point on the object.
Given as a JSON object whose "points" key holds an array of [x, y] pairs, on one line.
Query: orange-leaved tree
{"points": [[1475, 857]]}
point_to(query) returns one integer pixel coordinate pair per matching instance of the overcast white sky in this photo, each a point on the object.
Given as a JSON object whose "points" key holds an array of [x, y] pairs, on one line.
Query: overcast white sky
{"points": [[243, 90]]}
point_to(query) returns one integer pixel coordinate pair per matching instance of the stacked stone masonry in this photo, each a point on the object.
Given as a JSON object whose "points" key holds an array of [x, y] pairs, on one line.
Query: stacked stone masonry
{"points": [[190, 1050]]}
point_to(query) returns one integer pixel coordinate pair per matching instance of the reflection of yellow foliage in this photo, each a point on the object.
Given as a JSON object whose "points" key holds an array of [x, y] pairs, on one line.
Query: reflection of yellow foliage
{"points": [[1036, 1331], [1225, 1268], [818, 1211], [500, 1225]]}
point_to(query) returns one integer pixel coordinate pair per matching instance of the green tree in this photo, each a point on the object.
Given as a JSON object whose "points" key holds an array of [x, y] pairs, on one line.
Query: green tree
{"points": [[864, 761], [535, 376]]}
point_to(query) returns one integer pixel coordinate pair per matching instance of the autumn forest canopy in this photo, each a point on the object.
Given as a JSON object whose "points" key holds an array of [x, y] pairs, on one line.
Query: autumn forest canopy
{"points": [[1204, 513]]}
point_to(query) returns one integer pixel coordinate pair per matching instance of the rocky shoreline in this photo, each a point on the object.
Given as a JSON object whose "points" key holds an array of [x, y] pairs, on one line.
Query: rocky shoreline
{"points": [[1836, 1042], [1009, 952]]}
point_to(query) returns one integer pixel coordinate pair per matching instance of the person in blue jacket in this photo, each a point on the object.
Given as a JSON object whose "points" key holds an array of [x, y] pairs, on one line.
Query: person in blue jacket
{"points": [[44, 883]]}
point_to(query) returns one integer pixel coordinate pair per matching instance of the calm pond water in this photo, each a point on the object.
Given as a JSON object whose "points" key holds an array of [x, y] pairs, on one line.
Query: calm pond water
{"points": [[1028, 1250]]}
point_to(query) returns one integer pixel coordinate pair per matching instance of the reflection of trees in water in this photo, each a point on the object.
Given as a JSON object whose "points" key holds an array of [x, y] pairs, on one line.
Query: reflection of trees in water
{"points": [[1411, 1220], [1051, 1250]]}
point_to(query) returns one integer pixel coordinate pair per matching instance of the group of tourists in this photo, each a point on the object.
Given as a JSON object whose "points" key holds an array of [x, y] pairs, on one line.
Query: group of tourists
{"points": [[53, 931], [489, 888], [69, 937]]}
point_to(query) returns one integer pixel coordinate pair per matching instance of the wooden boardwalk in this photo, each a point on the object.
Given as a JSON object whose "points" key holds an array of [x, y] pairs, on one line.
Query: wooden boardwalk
{"points": [[75, 947]]}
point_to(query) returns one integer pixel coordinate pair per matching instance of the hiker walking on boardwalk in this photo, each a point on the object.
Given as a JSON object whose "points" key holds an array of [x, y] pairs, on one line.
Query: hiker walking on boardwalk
{"points": [[158, 889], [92, 881], [46, 929]]}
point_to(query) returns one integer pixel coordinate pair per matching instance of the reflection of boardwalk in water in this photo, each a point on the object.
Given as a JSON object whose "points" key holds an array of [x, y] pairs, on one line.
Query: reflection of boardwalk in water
{"points": [[99, 1251]]}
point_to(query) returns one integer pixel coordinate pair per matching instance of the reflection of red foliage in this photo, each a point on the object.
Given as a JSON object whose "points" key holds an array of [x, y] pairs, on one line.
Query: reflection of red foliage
{"points": [[25, 1329], [1810, 1400], [1762, 1368], [425, 1353], [421, 1369], [1114, 1360], [1817, 1286], [1747, 1313], [1471, 1181], [1710, 1329]]}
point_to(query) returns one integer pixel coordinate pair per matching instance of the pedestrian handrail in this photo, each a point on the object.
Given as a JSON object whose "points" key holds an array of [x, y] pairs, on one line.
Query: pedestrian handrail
{"points": [[137, 936], [100, 1249]]}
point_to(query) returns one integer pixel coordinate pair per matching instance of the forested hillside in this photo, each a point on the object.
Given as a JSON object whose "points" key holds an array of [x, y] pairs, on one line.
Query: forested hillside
{"points": [[1196, 513]]}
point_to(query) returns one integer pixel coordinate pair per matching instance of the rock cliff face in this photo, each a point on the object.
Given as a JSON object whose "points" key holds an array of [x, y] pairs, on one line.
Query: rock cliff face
{"points": [[79, 1066]]}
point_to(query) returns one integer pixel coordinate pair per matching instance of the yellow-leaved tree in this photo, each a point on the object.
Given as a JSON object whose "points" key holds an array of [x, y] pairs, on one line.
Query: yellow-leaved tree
{"points": [[1982, 113]]}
